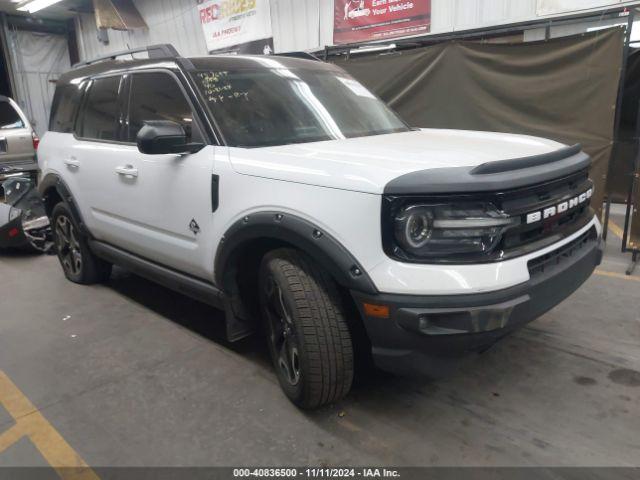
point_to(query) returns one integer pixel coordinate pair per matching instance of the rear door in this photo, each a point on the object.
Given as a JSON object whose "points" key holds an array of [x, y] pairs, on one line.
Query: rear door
{"points": [[92, 155], [16, 142]]}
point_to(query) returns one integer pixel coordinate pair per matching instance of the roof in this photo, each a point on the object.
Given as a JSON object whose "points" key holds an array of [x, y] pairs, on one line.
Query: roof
{"points": [[211, 62]]}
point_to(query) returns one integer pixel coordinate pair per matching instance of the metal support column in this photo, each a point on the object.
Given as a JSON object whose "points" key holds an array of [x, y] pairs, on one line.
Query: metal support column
{"points": [[618, 117]]}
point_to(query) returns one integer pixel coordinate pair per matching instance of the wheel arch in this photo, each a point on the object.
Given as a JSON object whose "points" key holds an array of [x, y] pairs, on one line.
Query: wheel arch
{"points": [[265, 230], [54, 190], [247, 241]]}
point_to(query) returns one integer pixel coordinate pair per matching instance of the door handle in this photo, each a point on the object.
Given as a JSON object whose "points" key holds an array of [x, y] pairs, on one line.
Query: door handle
{"points": [[127, 171], [72, 163]]}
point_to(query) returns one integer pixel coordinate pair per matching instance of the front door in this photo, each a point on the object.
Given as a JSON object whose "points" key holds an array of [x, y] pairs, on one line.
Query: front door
{"points": [[158, 206]]}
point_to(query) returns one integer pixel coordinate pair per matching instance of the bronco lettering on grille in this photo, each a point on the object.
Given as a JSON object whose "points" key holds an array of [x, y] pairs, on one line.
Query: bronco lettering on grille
{"points": [[563, 207]]}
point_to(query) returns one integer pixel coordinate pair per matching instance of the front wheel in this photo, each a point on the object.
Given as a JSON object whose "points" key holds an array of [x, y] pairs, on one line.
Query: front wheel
{"points": [[79, 264], [308, 335]]}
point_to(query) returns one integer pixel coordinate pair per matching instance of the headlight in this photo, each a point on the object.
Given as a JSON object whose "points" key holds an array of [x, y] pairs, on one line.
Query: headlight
{"points": [[430, 231], [414, 227]]}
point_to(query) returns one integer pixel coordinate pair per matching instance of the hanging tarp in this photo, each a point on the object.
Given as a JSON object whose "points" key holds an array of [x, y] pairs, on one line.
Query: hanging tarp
{"points": [[38, 59], [624, 155], [564, 89]]}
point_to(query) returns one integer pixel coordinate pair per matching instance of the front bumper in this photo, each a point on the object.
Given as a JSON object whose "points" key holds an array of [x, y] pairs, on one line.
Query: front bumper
{"points": [[413, 334]]}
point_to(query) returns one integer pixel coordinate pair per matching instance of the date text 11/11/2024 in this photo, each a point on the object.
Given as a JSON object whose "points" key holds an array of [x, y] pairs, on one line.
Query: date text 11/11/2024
{"points": [[315, 473]]}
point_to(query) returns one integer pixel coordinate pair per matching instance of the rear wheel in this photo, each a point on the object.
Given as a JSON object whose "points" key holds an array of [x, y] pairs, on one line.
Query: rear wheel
{"points": [[79, 264], [308, 335]]}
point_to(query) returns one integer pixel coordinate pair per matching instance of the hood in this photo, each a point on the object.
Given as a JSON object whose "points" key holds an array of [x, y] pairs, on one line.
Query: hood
{"points": [[367, 164]]}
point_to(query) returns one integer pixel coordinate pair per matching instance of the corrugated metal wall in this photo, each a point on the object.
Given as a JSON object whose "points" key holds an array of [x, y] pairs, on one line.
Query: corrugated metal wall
{"points": [[453, 15], [297, 24], [170, 21]]}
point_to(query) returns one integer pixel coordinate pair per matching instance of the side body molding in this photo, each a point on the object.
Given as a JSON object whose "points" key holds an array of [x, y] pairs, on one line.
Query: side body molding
{"points": [[299, 233]]}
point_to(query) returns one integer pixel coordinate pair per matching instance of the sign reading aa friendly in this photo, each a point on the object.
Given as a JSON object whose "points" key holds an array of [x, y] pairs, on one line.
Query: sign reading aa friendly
{"points": [[227, 23], [364, 20]]}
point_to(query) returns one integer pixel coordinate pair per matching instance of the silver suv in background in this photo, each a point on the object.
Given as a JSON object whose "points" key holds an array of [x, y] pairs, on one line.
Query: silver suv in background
{"points": [[18, 141]]}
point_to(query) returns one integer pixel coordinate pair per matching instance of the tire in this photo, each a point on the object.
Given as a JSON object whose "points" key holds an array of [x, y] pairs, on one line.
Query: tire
{"points": [[79, 264], [307, 333]]}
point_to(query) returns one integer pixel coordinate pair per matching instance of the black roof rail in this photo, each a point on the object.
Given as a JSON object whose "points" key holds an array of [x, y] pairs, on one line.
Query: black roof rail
{"points": [[163, 50], [302, 55]]}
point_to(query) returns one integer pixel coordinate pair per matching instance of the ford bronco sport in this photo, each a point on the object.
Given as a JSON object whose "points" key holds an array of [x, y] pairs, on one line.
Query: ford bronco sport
{"points": [[281, 189]]}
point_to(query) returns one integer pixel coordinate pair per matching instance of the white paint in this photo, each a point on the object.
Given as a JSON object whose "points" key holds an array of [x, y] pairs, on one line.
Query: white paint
{"points": [[148, 215], [367, 164]]}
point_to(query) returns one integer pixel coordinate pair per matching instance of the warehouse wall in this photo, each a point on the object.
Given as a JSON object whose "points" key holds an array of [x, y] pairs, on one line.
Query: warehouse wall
{"points": [[169, 21], [297, 24]]}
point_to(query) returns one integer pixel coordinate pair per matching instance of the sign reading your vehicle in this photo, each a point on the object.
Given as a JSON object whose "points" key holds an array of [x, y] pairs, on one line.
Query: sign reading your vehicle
{"points": [[363, 20]]}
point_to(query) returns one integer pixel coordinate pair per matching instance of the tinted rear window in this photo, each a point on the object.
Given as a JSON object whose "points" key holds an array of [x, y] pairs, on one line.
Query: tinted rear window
{"points": [[9, 118], [63, 110], [100, 114]]}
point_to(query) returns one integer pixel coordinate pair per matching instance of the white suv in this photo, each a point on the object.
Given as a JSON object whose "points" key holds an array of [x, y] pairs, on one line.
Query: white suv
{"points": [[283, 191]]}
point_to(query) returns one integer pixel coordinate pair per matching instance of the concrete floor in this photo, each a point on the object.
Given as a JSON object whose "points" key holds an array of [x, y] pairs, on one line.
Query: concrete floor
{"points": [[132, 374]]}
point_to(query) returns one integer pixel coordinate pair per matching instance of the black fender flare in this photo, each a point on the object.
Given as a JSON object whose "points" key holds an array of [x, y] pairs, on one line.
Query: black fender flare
{"points": [[52, 182], [300, 233]]}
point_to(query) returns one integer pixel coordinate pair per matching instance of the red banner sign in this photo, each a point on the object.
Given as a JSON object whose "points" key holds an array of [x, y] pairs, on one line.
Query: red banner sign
{"points": [[365, 20]]}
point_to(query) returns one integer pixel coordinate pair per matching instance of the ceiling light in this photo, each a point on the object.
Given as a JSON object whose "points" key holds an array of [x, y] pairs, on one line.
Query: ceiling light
{"points": [[36, 5]]}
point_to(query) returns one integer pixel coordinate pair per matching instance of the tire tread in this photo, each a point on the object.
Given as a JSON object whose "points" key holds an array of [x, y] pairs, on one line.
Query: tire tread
{"points": [[325, 333]]}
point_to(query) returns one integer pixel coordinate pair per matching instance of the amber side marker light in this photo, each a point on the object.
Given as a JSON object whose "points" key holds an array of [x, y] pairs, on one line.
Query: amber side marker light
{"points": [[379, 311]]}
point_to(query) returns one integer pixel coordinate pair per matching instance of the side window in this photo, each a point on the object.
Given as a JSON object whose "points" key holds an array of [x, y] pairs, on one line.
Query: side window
{"points": [[63, 109], [100, 114], [157, 96], [9, 118]]}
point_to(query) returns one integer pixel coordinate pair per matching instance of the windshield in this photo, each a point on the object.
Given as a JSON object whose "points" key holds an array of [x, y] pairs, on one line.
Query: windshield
{"points": [[279, 106]]}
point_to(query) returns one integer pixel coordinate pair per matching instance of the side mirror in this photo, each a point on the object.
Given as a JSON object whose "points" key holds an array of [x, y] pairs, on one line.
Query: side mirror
{"points": [[160, 137]]}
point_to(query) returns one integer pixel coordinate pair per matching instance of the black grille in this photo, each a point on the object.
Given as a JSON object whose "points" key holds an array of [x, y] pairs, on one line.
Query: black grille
{"points": [[521, 202], [542, 264]]}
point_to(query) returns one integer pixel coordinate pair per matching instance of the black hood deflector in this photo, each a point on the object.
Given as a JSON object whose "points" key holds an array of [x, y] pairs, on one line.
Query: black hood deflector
{"points": [[493, 176]]}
